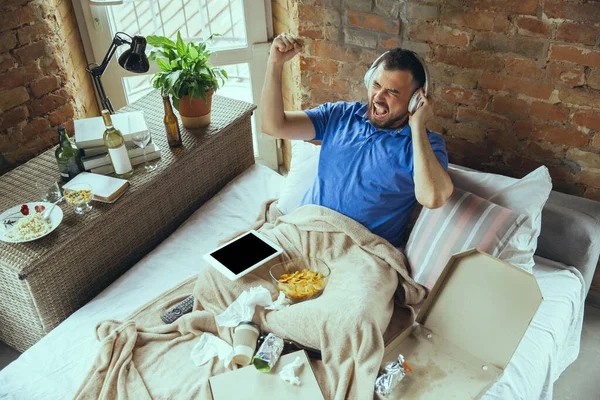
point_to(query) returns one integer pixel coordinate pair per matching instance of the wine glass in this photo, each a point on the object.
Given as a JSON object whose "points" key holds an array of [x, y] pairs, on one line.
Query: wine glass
{"points": [[80, 196], [49, 192], [141, 139]]}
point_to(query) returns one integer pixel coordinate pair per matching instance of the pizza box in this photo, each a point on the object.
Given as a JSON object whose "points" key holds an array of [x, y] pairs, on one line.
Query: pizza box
{"points": [[467, 330]]}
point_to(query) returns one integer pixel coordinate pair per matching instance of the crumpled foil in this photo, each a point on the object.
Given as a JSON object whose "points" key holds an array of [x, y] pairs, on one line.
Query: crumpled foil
{"points": [[391, 375], [267, 355]]}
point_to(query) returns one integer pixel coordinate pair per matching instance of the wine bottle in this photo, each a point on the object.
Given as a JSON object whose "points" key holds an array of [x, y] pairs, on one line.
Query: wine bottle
{"points": [[171, 123], [114, 141], [67, 156]]}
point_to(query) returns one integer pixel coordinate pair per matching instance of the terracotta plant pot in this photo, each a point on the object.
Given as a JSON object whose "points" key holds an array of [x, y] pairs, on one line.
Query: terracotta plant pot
{"points": [[195, 114]]}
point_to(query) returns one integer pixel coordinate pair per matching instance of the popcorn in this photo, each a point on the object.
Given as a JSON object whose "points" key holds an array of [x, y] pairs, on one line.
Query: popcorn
{"points": [[29, 227]]}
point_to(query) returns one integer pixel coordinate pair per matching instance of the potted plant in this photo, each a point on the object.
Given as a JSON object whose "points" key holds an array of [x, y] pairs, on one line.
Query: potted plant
{"points": [[187, 76]]}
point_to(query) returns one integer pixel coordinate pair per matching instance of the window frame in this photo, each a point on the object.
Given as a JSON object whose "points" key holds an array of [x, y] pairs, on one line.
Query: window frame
{"points": [[96, 35]]}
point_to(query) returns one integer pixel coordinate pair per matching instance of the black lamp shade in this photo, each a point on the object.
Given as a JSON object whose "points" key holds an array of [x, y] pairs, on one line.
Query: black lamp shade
{"points": [[134, 59]]}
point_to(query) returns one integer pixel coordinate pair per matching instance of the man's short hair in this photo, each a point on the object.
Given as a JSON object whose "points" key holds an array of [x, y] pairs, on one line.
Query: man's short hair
{"points": [[405, 60]]}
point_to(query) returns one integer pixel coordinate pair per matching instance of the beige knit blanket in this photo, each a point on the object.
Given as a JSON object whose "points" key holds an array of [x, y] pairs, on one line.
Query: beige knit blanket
{"points": [[142, 358]]}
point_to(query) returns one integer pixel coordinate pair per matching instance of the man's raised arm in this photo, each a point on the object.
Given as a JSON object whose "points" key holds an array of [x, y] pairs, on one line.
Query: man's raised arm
{"points": [[433, 186], [275, 120]]}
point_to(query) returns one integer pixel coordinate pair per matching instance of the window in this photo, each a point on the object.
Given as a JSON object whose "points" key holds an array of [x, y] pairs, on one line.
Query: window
{"points": [[242, 49]]}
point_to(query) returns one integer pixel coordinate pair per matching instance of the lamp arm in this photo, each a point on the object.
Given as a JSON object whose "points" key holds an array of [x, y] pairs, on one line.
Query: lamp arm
{"points": [[106, 104]]}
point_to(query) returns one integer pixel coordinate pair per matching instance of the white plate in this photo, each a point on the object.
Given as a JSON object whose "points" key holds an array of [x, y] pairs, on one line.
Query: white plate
{"points": [[11, 217]]}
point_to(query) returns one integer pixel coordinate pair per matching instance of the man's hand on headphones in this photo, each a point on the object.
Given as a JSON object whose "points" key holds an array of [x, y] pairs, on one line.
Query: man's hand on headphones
{"points": [[419, 119], [284, 48]]}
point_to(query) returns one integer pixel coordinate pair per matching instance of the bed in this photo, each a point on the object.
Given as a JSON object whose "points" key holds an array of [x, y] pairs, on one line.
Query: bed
{"points": [[55, 366]]}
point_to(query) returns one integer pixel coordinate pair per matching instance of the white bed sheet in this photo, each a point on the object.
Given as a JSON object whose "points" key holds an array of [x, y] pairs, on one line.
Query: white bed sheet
{"points": [[551, 343], [55, 366]]}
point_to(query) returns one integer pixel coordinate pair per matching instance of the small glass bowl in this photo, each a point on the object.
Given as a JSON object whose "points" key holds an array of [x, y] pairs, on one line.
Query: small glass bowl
{"points": [[80, 196], [297, 289]]}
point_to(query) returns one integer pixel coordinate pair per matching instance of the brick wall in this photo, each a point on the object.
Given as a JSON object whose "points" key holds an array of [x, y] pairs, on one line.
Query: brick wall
{"points": [[43, 82], [516, 82]]}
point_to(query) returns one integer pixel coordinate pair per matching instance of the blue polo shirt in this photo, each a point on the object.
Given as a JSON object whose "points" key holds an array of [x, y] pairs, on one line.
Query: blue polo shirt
{"points": [[366, 173]]}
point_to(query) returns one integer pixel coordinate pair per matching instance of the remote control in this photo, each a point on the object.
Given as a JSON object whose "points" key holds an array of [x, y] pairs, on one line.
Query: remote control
{"points": [[181, 308]]}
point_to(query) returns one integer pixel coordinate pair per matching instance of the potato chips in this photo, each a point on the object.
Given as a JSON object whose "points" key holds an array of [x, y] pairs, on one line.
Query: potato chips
{"points": [[302, 285]]}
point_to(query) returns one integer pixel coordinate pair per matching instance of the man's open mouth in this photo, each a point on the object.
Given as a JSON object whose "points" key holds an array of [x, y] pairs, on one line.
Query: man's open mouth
{"points": [[379, 111]]}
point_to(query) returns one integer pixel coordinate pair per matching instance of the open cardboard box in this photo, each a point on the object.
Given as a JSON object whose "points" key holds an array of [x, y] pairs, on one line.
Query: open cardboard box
{"points": [[467, 330]]}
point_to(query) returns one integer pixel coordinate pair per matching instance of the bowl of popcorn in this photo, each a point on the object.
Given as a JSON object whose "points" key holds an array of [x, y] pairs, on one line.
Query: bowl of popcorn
{"points": [[300, 278], [79, 196]]}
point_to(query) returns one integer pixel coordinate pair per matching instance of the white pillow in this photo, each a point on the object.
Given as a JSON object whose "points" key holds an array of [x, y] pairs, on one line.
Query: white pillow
{"points": [[527, 196], [302, 174], [483, 184]]}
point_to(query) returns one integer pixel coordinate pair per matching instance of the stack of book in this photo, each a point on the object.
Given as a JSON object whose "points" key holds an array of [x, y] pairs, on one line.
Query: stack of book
{"points": [[88, 138]]}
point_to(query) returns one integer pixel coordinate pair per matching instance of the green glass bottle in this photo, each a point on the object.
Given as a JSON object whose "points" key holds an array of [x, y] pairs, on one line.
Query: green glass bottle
{"points": [[67, 156]]}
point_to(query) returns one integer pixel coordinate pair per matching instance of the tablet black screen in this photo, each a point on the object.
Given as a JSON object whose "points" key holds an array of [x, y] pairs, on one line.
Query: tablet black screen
{"points": [[243, 253]]}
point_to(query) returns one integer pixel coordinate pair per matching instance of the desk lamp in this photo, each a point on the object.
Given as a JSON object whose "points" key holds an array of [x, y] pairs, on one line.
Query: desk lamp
{"points": [[133, 59]]}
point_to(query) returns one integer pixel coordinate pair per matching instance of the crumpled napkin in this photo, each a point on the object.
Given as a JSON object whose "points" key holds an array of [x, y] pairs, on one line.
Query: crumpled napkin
{"points": [[210, 346], [288, 372], [279, 304], [242, 309]]}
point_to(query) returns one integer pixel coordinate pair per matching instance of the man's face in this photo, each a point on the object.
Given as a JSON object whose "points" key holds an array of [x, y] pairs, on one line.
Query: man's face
{"points": [[389, 95]]}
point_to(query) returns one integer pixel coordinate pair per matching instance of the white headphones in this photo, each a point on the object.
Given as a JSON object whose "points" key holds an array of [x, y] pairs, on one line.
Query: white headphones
{"points": [[416, 100]]}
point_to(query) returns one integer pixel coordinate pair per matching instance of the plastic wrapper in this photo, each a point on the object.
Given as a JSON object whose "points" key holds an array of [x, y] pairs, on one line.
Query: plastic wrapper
{"points": [[267, 355], [391, 376]]}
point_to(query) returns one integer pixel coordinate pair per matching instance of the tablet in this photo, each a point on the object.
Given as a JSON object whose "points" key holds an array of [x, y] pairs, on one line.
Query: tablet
{"points": [[242, 255]]}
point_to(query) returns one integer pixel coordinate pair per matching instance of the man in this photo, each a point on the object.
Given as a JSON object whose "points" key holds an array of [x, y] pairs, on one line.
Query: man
{"points": [[377, 159]]}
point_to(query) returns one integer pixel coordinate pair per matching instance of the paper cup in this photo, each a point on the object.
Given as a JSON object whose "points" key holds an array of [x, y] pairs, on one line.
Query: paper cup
{"points": [[244, 342]]}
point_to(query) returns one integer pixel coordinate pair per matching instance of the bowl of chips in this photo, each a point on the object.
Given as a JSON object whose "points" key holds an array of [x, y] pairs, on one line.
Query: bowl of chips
{"points": [[300, 278]]}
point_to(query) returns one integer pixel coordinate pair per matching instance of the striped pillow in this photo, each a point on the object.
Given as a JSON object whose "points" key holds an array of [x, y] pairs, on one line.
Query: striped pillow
{"points": [[464, 222]]}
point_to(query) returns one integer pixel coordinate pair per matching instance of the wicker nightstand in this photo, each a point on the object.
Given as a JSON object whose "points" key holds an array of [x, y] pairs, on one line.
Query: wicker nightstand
{"points": [[44, 281]]}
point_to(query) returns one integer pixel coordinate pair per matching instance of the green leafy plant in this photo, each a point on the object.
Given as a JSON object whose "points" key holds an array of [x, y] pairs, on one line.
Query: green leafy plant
{"points": [[184, 68]]}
